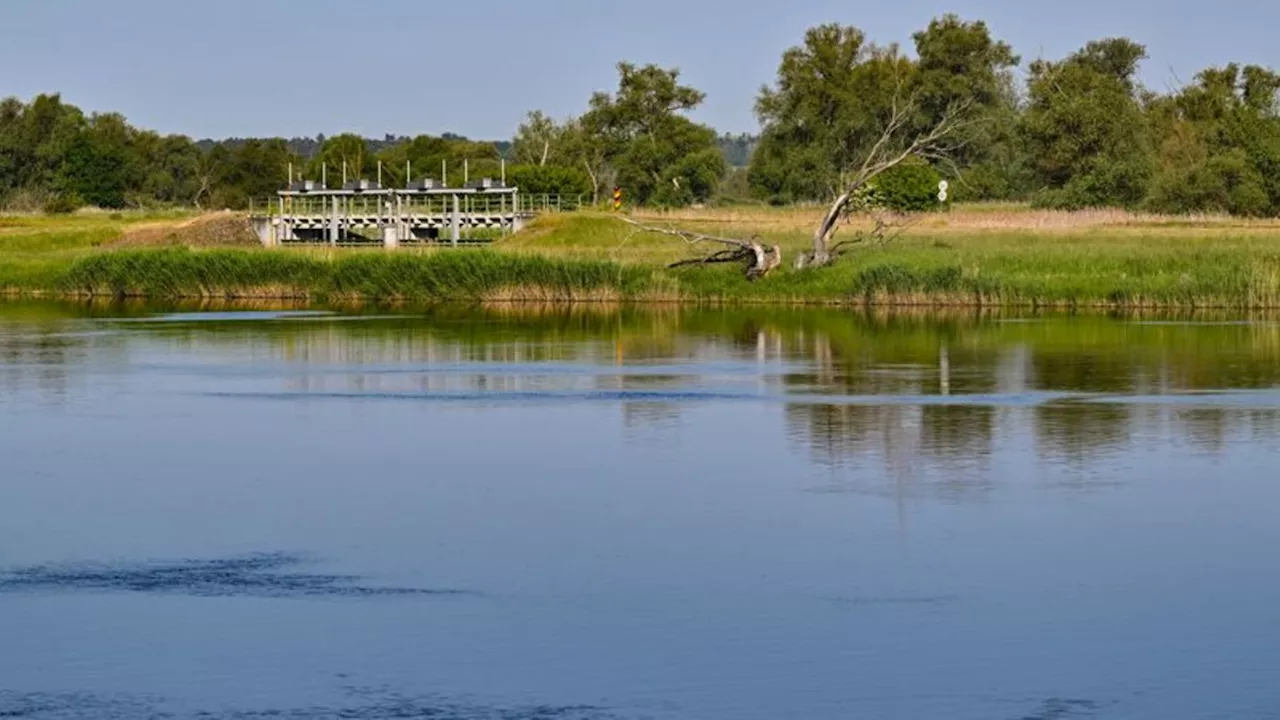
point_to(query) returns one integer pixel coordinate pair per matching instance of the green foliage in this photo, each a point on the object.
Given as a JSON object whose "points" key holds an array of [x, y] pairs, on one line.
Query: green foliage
{"points": [[1085, 128], [1081, 133], [63, 204], [960, 62], [909, 187], [429, 156], [1221, 144], [824, 113], [835, 94], [549, 180], [656, 153], [468, 275], [540, 141], [251, 170], [97, 167], [347, 153]]}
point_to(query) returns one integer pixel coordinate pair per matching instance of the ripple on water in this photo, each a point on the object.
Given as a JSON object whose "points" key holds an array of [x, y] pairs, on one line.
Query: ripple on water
{"points": [[235, 316], [262, 575], [364, 704]]}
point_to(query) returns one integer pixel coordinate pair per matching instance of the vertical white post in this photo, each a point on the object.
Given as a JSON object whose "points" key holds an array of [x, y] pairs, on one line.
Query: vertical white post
{"points": [[344, 174], [444, 173], [324, 175], [504, 172], [379, 173], [457, 221], [333, 223], [408, 173], [466, 172], [291, 175]]}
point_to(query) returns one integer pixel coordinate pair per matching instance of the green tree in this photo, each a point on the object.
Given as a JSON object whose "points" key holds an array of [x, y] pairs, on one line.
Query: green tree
{"points": [[102, 165], [549, 180], [960, 62], [1085, 127], [658, 154], [346, 153], [253, 170], [827, 108], [1219, 144], [539, 141], [431, 156], [587, 147]]}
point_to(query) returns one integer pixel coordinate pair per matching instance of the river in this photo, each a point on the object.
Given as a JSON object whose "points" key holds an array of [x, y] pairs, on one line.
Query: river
{"points": [[525, 514]]}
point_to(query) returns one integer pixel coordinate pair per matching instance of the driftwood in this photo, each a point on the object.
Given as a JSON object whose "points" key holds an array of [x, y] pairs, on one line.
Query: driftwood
{"points": [[758, 259]]}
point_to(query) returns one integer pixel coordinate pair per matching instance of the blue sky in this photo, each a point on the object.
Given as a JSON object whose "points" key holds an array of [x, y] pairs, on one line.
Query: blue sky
{"points": [[286, 67]]}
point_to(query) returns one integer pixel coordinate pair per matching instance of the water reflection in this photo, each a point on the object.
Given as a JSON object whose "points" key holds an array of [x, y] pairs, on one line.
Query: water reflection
{"points": [[913, 393], [662, 513]]}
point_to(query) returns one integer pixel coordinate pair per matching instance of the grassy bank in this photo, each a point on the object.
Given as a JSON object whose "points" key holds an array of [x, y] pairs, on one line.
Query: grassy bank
{"points": [[980, 256]]}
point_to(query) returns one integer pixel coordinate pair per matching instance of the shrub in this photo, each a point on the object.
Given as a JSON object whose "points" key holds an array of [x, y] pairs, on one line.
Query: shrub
{"points": [[549, 180], [63, 204], [909, 187]]}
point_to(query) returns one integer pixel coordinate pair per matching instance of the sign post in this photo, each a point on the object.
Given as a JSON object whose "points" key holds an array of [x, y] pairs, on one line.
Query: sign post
{"points": [[617, 199]]}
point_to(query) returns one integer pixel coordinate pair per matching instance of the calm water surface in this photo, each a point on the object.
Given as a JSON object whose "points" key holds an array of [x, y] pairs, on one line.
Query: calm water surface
{"points": [[671, 514]]}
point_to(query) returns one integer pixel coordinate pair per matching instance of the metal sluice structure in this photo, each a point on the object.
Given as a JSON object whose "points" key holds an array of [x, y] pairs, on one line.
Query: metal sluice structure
{"points": [[364, 213]]}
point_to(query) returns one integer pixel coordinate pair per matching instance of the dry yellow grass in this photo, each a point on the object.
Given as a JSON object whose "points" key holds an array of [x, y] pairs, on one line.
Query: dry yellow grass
{"points": [[979, 217]]}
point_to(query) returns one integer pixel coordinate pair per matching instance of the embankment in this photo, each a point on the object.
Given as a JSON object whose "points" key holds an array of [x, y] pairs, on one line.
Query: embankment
{"points": [[593, 258]]}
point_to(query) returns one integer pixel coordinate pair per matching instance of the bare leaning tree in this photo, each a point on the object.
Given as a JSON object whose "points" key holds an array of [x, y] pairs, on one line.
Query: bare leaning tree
{"points": [[897, 144], [901, 140]]}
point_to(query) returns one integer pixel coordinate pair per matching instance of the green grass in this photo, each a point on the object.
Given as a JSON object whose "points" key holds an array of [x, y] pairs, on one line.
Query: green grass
{"points": [[595, 257], [35, 250], [1140, 265], [443, 275]]}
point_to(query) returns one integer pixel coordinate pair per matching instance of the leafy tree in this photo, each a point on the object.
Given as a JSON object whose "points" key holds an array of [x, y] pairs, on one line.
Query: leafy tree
{"points": [[101, 165], [429, 155], [960, 62], [538, 141], [1085, 127], [34, 141], [254, 171], [549, 180], [659, 155], [827, 108], [1220, 144], [586, 147], [347, 153]]}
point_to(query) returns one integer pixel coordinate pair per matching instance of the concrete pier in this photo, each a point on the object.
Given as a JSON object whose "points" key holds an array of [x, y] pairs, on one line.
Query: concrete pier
{"points": [[365, 213]]}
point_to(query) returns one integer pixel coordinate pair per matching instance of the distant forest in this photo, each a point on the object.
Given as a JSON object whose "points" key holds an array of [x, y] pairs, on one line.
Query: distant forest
{"points": [[1079, 131]]}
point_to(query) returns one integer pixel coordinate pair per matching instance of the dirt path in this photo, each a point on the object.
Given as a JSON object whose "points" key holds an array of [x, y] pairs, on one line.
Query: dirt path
{"points": [[220, 229]]}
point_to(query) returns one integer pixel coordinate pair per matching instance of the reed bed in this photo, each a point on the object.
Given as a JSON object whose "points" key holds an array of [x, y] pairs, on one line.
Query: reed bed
{"points": [[1103, 259], [465, 275]]}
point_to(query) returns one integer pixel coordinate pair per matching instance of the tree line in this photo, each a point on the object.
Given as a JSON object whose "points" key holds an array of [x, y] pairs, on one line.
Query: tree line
{"points": [[54, 156], [1076, 132]]}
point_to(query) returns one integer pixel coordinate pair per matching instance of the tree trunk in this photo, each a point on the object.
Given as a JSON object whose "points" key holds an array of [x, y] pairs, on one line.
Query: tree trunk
{"points": [[821, 253]]}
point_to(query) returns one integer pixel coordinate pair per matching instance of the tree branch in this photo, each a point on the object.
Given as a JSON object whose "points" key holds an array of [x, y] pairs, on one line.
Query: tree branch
{"points": [[760, 260]]}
